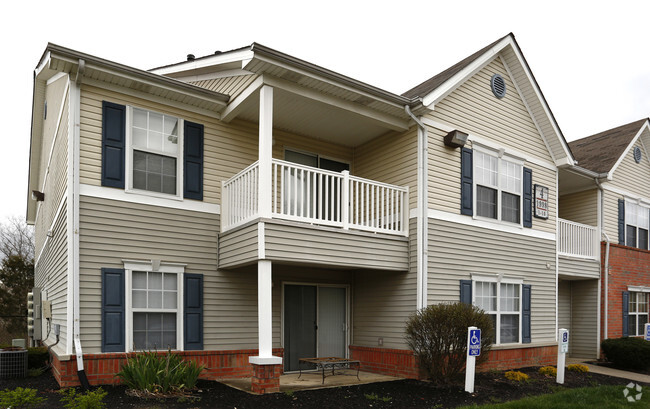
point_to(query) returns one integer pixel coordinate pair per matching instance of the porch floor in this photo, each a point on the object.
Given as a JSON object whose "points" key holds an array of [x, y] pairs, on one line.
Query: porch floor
{"points": [[313, 380]]}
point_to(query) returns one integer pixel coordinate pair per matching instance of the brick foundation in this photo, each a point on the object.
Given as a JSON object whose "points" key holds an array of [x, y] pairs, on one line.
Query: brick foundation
{"points": [[403, 364], [266, 378], [101, 369]]}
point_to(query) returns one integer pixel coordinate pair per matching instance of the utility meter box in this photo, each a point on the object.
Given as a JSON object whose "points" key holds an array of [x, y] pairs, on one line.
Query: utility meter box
{"points": [[47, 309]]}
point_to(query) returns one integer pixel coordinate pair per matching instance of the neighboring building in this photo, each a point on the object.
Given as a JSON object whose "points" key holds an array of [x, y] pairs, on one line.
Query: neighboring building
{"points": [[609, 189], [198, 206]]}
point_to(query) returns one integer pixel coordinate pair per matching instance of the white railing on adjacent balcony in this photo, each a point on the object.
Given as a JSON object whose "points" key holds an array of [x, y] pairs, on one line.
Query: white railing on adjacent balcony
{"points": [[317, 196], [577, 240]]}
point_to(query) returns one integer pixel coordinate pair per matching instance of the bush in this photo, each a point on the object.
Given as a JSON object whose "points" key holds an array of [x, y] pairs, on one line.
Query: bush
{"points": [[89, 400], [19, 398], [516, 376], [437, 335], [628, 352], [37, 357], [154, 373], [548, 370], [578, 368]]}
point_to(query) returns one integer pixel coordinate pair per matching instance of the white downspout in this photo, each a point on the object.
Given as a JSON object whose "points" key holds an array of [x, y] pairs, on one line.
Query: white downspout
{"points": [[422, 219], [606, 267]]}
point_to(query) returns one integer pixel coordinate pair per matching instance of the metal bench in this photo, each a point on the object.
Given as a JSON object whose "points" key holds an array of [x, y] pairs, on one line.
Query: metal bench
{"points": [[333, 363]]}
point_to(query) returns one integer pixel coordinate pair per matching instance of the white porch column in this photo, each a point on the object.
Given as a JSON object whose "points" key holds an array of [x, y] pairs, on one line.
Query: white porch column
{"points": [[265, 150], [264, 316]]}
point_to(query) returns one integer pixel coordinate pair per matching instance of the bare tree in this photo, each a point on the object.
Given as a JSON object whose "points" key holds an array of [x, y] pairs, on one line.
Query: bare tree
{"points": [[16, 239]]}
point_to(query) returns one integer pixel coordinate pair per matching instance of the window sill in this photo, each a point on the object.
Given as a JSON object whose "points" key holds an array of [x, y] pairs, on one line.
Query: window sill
{"points": [[499, 222], [153, 194], [520, 345]]}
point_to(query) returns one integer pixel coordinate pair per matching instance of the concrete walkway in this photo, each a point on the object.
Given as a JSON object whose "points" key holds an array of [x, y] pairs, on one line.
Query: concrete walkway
{"points": [[603, 370]]}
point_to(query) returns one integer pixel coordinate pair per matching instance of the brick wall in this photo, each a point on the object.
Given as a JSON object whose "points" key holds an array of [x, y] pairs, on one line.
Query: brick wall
{"points": [[101, 369], [628, 266]]}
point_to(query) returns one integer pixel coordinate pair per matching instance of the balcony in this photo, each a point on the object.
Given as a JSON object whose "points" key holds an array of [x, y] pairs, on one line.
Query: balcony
{"points": [[319, 197], [578, 240]]}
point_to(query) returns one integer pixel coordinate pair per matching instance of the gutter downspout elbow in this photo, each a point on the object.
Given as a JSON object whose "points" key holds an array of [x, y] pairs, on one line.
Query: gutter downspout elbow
{"points": [[422, 219]]}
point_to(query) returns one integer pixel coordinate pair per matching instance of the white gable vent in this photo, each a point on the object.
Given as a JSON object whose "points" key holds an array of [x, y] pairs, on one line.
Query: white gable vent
{"points": [[498, 85], [637, 154]]}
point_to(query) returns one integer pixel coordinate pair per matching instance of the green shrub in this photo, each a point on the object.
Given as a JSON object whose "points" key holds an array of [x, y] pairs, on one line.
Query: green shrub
{"points": [[627, 352], [516, 376], [89, 400], [19, 398], [578, 368], [37, 357], [160, 374], [437, 335], [548, 370]]}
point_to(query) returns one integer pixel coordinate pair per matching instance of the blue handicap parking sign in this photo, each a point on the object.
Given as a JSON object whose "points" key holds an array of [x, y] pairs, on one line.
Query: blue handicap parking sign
{"points": [[565, 337], [474, 342], [647, 332]]}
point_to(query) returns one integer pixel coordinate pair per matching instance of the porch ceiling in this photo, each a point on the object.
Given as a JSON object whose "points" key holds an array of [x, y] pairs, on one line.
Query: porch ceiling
{"points": [[571, 182]]}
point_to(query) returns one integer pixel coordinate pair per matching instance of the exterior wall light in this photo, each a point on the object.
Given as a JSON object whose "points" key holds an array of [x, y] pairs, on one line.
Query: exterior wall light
{"points": [[456, 139]]}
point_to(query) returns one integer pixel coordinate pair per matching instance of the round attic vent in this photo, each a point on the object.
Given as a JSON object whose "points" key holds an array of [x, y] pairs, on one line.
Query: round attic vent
{"points": [[498, 85], [637, 154]]}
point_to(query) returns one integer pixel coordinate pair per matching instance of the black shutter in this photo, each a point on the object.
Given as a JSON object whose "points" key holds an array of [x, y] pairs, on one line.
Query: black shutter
{"points": [[113, 313], [525, 312], [528, 198], [113, 140], [626, 311], [466, 291], [621, 221], [193, 312], [193, 161], [466, 182]]}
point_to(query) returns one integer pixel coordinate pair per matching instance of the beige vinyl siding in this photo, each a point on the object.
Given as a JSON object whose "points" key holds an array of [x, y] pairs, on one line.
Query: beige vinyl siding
{"points": [[564, 305], [383, 303], [238, 247], [51, 276], [472, 107], [610, 214], [391, 158], [583, 339], [626, 176], [55, 96], [111, 231], [232, 86], [456, 251], [443, 173], [581, 207], [578, 267], [296, 243]]}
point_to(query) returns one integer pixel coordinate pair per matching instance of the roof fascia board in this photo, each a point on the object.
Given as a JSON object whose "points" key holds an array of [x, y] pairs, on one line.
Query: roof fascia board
{"points": [[578, 170], [392, 122], [235, 106], [610, 174], [219, 59], [44, 63], [452, 83]]}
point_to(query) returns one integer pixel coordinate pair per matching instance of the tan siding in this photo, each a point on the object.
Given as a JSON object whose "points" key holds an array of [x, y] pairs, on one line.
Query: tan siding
{"points": [[564, 305], [456, 251], [232, 86], [391, 158], [578, 267], [581, 207], [610, 214], [626, 176], [583, 339], [51, 275], [443, 173], [111, 231], [473, 107], [238, 247], [290, 242], [54, 96]]}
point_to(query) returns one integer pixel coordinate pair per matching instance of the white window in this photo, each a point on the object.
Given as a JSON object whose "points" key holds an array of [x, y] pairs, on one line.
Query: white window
{"points": [[154, 158], [154, 306], [638, 313], [501, 299], [498, 186], [636, 225]]}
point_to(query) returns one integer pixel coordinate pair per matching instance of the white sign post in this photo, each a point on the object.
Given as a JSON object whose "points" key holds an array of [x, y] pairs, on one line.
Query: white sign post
{"points": [[646, 332], [562, 349], [473, 350]]}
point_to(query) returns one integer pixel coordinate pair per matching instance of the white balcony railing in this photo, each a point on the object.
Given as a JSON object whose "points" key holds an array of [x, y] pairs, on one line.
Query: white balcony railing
{"points": [[577, 240], [317, 196]]}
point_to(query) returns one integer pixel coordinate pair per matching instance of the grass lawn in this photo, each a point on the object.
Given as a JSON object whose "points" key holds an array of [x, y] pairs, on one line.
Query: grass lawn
{"points": [[587, 398]]}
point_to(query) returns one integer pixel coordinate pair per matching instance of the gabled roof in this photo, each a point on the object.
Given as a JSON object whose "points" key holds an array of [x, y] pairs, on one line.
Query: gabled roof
{"points": [[602, 151]]}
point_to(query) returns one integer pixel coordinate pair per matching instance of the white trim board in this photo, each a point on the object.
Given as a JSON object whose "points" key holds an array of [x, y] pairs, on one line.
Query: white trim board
{"points": [[626, 195], [123, 196]]}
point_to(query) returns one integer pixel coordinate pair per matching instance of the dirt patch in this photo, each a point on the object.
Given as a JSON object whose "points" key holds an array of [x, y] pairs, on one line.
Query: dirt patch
{"points": [[491, 387]]}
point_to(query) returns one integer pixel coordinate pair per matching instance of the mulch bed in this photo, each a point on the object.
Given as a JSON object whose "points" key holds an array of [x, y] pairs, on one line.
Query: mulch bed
{"points": [[491, 387]]}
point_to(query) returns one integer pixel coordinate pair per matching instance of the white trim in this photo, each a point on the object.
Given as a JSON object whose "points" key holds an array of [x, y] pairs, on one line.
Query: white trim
{"points": [[497, 278], [123, 196], [626, 195], [638, 289], [44, 63], [486, 142], [488, 224], [225, 58], [261, 241], [214, 75], [610, 174]]}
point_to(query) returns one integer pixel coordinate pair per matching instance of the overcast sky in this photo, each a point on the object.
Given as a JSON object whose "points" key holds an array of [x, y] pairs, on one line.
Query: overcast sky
{"points": [[591, 59]]}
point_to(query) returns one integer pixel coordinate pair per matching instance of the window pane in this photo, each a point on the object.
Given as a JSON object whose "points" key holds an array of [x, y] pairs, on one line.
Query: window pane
{"points": [[140, 138], [630, 213], [139, 280], [170, 281], [155, 281], [643, 318], [140, 340], [509, 328], [139, 321], [632, 304], [169, 339], [155, 122], [155, 299], [642, 217], [631, 324], [486, 202], [642, 300], [154, 141], [643, 239], [154, 321], [630, 236], [169, 322], [140, 118], [139, 299], [169, 184], [169, 298], [509, 297], [510, 207], [149, 170]]}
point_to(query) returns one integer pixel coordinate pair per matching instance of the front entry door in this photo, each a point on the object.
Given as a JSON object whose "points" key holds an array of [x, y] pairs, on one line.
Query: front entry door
{"points": [[315, 323]]}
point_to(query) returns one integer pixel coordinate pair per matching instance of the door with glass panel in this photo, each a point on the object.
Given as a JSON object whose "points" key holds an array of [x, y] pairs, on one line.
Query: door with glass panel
{"points": [[154, 302]]}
